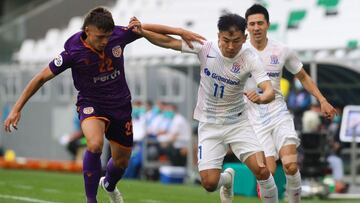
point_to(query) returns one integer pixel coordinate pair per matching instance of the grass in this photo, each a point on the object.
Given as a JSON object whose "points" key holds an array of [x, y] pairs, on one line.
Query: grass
{"points": [[46, 187]]}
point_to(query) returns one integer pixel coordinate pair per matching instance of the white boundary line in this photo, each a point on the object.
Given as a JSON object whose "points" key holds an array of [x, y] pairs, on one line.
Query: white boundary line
{"points": [[25, 199]]}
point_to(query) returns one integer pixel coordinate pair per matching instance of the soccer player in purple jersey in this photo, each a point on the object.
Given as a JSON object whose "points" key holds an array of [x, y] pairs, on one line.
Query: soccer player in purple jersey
{"points": [[95, 56]]}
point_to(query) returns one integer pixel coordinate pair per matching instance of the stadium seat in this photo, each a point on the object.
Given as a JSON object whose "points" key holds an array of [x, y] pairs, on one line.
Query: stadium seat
{"points": [[352, 44], [331, 6], [295, 17], [273, 27]]}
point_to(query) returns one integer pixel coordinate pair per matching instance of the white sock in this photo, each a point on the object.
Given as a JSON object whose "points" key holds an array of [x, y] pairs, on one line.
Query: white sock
{"points": [[268, 190], [225, 179], [293, 187]]}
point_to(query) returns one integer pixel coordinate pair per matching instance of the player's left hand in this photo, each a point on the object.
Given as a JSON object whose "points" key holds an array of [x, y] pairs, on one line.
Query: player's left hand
{"points": [[189, 37], [253, 96], [327, 110]]}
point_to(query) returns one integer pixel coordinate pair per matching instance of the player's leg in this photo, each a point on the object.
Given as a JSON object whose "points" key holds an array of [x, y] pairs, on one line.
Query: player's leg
{"points": [[288, 155], [264, 136], [93, 130], [117, 164], [247, 148], [213, 179], [268, 144], [120, 135], [211, 153], [271, 164], [286, 140], [268, 189]]}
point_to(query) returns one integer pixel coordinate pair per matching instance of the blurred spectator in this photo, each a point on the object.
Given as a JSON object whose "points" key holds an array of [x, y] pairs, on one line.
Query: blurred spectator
{"points": [[4, 113], [311, 121], [139, 121], [299, 100], [284, 87], [334, 158], [174, 142], [154, 118], [139, 131], [75, 142]]}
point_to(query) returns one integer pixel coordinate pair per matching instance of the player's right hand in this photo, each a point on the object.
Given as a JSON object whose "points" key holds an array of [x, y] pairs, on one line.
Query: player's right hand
{"points": [[12, 121], [135, 25], [253, 96]]}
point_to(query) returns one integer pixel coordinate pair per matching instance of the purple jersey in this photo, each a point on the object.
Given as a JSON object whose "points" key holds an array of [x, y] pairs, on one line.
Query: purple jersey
{"points": [[99, 77]]}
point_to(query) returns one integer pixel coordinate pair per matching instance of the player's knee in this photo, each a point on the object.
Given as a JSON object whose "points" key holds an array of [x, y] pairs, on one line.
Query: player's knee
{"points": [[209, 184], [262, 173], [291, 168], [94, 147], [272, 171]]}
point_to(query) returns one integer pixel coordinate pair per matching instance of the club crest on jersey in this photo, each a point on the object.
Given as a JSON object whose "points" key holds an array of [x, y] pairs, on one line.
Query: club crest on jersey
{"points": [[58, 61], [88, 110], [274, 59], [116, 51], [235, 68]]}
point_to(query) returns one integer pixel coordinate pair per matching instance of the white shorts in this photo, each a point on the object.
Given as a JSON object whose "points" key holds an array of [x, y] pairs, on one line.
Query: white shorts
{"points": [[214, 140], [276, 136]]}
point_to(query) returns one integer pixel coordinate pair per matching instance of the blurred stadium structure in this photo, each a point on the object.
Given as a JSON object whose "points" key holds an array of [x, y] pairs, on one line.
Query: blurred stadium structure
{"points": [[324, 32]]}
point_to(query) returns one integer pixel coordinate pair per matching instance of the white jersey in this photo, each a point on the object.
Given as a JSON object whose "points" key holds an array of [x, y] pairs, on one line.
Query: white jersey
{"points": [[275, 56], [222, 80]]}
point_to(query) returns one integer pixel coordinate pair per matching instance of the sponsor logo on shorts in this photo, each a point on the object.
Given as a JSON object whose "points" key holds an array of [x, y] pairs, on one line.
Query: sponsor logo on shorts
{"points": [[88, 110], [116, 51], [58, 61]]}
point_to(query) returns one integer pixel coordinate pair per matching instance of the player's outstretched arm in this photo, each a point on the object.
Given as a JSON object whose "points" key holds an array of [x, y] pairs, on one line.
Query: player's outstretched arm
{"points": [[186, 35], [266, 97], [36, 82], [326, 108], [161, 40]]}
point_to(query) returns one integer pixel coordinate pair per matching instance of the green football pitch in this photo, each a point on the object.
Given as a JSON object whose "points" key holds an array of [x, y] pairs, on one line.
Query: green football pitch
{"points": [[49, 187]]}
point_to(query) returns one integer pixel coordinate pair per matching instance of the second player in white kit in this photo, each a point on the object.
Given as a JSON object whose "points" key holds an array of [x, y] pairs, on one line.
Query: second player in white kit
{"points": [[272, 122]]}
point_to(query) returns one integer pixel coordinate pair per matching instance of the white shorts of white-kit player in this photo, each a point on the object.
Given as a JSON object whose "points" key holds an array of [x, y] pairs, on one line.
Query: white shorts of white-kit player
{"points": [[214, 140]]}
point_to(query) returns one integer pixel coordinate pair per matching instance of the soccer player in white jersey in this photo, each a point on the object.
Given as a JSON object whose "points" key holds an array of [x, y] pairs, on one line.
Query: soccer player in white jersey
{"points": [[272, 122], [225, 67]]}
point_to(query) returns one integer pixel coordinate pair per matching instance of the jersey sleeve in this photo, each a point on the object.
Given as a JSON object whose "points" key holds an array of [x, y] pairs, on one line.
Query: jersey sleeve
{"points": [[186, 49], [129, 36], [62, 62], [292, 62]]}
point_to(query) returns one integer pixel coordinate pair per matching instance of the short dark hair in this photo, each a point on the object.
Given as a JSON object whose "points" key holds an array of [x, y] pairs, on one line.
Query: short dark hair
{"points": [[101, 18], [230, 20], [257, 9]]}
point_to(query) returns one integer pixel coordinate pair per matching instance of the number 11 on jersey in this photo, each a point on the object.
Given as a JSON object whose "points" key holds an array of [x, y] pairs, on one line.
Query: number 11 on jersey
{"points": [[216, 87]]}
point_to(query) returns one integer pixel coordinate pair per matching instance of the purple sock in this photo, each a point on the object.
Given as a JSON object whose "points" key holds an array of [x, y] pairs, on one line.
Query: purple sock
{"points": [[91, 172], [113, 175]]}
